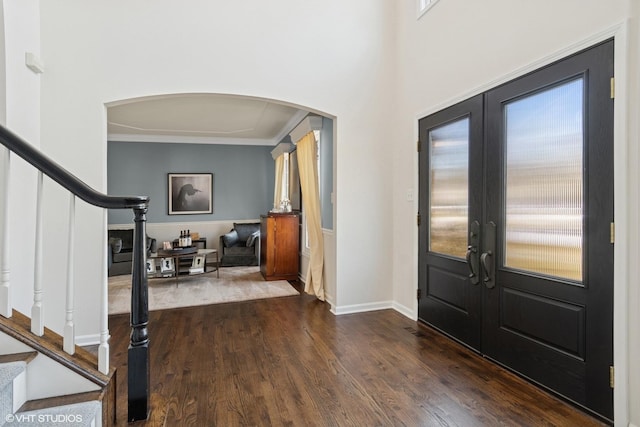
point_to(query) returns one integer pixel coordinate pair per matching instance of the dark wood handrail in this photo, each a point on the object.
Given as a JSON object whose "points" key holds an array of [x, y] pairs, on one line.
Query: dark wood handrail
{"points": [[65, 178], [138, 372]]}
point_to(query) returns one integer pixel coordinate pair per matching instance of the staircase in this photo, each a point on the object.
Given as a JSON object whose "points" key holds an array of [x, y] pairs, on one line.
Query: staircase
{"points": [[40, 385], [45, 379]]}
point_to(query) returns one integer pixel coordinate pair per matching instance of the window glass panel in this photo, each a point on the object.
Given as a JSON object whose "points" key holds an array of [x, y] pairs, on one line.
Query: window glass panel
{"points": [[448, 188], [543, 195]]}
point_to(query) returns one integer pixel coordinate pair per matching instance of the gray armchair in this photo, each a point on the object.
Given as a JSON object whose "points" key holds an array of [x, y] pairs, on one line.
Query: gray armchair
{"points": [[121, 251], [241, 245]]}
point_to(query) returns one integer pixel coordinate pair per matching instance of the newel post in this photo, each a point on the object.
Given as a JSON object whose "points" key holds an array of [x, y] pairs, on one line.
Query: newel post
{"points": [[138, 369]]}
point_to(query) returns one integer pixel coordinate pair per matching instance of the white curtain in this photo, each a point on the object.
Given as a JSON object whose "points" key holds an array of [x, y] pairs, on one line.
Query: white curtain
{"points": [[308, 166], [277, 189]]}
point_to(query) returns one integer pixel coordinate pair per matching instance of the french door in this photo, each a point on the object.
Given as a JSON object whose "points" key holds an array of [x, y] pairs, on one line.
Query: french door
{"points": [[516, 253]]}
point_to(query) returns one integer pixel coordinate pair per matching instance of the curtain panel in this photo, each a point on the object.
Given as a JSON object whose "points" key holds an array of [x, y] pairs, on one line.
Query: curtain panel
{"points": [[308, 166], [277, 189]]}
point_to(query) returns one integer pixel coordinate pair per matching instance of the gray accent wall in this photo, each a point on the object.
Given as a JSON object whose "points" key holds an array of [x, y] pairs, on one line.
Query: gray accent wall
{"points": [[243, 178]]}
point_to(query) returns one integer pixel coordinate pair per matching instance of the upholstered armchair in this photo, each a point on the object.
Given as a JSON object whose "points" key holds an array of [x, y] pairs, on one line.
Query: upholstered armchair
{"points": [[121, 251], [241, 245]]}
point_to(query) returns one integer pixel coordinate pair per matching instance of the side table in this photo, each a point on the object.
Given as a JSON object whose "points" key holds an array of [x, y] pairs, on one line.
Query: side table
{"points": [[176, 263]]}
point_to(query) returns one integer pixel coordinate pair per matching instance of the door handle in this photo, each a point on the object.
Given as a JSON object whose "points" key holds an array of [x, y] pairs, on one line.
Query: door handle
{"points": [[488, 259], [473, 276], [486, 269], [472, 253]]}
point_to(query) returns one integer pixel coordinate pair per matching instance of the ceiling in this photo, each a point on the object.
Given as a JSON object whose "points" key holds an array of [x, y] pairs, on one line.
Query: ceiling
{"points": [[202, 119]]}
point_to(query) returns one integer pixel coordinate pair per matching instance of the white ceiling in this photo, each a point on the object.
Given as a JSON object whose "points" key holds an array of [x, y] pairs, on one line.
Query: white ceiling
{"points": [[203, 119]]}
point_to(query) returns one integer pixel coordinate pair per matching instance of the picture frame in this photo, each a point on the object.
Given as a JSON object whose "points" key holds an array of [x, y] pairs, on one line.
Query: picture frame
{"points": [[166, 265], [198, 264], [198, 261], [151, 265], [190, 193]]}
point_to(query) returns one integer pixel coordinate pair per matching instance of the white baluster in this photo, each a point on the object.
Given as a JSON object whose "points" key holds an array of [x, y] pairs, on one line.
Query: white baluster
{"points": [[5, 288], [69, 344], [103, 348], [37, 310]]}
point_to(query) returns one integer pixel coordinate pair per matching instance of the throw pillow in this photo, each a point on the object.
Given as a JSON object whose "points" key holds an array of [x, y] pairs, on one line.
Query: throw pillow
{"points": [[245, 230], [152, 245], [251, 240], [230, 238]]}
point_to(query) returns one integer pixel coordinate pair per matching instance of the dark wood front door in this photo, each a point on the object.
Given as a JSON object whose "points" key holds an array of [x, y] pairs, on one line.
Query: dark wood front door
{"points": [[451, 189], [516, 258]]}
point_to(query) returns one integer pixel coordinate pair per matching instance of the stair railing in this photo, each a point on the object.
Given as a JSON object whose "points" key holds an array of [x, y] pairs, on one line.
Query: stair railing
{"points": [[138, 357]]}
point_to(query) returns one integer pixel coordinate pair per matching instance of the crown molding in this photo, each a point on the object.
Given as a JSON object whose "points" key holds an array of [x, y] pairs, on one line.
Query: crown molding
{"points": [[184, 139], [310, 123], [189, 139], [291, 124], [283, 147]]}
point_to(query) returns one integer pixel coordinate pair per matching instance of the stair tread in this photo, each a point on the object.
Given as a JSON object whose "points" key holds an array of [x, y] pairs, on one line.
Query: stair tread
{"points": [[18, 357], [83, 362], [50, 344], [69, 399]]}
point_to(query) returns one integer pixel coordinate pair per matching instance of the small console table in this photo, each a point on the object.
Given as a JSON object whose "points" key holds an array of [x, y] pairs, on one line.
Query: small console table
{"points": [[172, 268]]}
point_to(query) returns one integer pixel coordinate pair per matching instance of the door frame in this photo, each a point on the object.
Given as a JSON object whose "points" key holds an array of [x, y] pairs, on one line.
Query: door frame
{"points": [[624, 199]]}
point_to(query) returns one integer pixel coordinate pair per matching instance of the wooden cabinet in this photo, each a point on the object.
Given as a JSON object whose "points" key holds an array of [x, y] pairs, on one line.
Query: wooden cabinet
{"points": [[279, 246]]}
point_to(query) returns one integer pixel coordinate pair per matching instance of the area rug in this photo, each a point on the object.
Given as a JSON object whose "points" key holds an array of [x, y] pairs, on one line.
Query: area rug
{"points": [[234, 284]]}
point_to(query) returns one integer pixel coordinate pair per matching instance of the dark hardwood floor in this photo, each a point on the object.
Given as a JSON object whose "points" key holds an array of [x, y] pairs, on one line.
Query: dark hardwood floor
{"points": [[289, 361]]}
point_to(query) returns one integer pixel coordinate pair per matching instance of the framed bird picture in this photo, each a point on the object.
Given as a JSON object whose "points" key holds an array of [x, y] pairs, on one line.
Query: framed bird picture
{"points": [[190, 193]]}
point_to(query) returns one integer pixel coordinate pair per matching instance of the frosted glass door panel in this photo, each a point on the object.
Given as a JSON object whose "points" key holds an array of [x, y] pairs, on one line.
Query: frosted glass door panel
{"points": [[449, 188], [544, 185]]}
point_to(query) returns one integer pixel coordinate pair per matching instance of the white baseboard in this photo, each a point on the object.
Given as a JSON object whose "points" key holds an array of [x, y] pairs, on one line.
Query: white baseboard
{"points": [[328, 298], [382, 305], [361, 308], [404, 310]]}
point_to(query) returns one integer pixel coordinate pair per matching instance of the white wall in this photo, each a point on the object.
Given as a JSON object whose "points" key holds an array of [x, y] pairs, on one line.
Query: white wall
{"points": [[329, 56], [338, 58], [3, 71], [22, 106], [459, 48], [628, 203]]}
